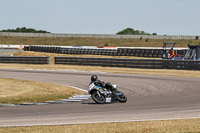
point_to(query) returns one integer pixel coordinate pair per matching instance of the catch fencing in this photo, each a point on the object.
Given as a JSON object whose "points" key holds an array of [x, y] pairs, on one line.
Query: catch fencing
{"points": [[25, 60], [131, 63], [140, 52], [98, 36]]}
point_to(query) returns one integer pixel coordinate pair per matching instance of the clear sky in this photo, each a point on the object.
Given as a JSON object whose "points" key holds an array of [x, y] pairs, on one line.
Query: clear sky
{"points": [[170, 17]]}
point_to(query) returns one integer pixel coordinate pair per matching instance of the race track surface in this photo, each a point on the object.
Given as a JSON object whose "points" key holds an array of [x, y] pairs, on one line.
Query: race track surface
{"points": [[149, 97]]}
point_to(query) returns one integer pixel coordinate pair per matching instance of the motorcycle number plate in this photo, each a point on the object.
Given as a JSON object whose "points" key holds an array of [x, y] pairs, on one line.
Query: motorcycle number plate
{"points": [[108, 100]]}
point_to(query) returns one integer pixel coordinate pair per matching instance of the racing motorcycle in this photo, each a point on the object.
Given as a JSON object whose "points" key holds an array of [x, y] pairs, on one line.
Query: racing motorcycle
{"points": [[102, 95]]}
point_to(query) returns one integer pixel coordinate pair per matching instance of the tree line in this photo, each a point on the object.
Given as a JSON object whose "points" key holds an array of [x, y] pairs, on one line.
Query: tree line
{"points": [[130, 31], [25, 30], [127, 31]]}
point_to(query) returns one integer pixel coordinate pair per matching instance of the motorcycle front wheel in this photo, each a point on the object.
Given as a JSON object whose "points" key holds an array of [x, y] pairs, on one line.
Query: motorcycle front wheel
{"points": [[121, 98], [98, 97]]}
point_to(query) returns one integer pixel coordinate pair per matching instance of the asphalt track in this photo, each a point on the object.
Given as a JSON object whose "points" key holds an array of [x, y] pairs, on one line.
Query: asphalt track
{"points": [[150, 97]]}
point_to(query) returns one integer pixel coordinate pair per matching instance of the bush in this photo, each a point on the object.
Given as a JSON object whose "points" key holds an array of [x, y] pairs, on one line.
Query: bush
{"points": [[130, 31], [106, 44]]}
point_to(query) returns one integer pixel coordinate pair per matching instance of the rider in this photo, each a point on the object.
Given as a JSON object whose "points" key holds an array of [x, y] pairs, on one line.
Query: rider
{"points": [[101, 83], [110, 87], [97, 82]]}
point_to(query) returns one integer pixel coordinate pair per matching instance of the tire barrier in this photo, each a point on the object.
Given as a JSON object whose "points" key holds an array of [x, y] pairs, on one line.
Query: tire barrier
{"points": [[131, 63], [25, 60], [75, 50], [156, 53]]}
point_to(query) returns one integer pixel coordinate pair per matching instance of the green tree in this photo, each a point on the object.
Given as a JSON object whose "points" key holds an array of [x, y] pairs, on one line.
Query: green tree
{"points": [[130, 31], [25, 30]]}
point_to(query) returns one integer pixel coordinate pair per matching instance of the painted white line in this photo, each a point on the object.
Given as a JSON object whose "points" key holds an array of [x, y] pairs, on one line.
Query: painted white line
{"points": [[9, 105], [81, 96], [77, 88], [40, 103], [52, 101], [73, 100], [63, 70]]}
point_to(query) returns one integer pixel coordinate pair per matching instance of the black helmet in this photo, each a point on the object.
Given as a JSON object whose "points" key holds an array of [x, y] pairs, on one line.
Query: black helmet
{"points": [[94, 78], [108, 85]]}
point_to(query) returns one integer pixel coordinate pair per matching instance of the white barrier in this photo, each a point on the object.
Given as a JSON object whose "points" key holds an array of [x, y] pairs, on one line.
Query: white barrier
{"points": [[11, 46]]}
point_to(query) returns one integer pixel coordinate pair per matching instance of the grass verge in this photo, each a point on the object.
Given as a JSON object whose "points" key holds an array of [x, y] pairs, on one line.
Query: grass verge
{"points": [[61, 41], [158, 126], [14, 91]]}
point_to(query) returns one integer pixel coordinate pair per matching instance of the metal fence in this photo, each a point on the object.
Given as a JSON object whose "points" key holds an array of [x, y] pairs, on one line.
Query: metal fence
{"points": [[25, 60], [131, 63], [98, 36], [103, 51]]}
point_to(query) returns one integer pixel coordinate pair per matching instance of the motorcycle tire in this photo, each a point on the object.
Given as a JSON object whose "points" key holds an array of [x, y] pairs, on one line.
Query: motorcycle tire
{"points": [[97, 99], [121, 98]]}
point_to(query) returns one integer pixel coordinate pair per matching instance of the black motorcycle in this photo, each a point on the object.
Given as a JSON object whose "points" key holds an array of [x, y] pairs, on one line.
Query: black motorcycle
{"points": [[102, 95]]}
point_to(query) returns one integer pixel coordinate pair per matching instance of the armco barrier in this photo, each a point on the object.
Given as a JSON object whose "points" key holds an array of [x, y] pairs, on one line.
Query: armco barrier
{"points": [[131, 63], [25, 60]]}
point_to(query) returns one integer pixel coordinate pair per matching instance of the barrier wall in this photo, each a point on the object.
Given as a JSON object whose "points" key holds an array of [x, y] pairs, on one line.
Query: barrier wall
{"points": [[131, 63], [25, 60], [97, 35]]}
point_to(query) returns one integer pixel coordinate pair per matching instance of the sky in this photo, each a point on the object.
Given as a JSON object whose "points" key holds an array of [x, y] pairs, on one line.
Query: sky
{"points": [[164, 17]]}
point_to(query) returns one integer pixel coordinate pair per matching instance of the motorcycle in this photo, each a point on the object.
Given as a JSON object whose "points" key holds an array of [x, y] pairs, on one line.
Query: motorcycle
{"points": [[102, 95]]}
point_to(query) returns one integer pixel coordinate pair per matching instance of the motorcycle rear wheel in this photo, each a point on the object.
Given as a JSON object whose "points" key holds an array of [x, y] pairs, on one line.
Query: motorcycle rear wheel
{"points": [[98, 99]]}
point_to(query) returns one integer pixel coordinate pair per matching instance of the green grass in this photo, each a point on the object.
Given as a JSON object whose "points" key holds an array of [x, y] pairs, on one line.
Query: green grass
{"points": [[94, 41]]}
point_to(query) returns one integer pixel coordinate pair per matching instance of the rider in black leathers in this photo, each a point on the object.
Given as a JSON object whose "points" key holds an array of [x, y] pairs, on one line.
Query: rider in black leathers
{"points": [[94, 79], [101, 83]]}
